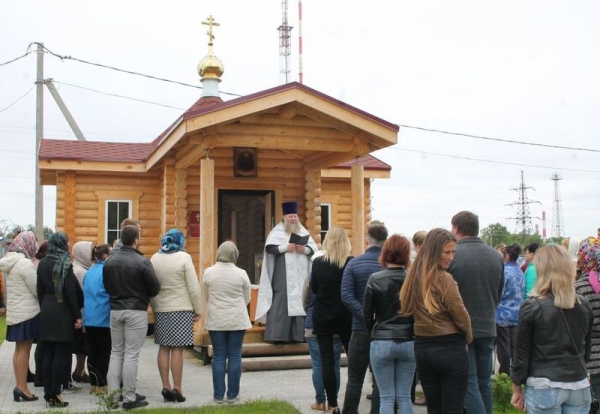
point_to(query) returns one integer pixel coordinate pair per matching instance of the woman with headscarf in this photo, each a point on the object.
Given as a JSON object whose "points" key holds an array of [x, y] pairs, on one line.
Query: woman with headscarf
{"points": [[588, 286], [176, 307], [82, 261], [22, 308], [59, 317], [226, 288]]}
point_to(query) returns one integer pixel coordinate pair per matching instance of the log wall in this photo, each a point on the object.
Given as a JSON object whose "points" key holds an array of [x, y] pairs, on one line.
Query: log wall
{"points": [[167, 194], [78, 205]]}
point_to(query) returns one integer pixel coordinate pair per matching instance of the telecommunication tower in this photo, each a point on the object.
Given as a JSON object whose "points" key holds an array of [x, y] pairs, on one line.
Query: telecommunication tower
{"points": [[523, 220], [558, 229], [285, 44]]}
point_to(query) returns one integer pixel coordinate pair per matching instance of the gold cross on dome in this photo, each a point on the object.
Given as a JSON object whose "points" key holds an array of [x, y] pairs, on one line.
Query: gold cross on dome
{"points": [[210, 22]]}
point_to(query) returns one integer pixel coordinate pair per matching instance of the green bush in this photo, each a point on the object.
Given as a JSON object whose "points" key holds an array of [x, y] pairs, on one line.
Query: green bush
{"points": [[502, 392]]}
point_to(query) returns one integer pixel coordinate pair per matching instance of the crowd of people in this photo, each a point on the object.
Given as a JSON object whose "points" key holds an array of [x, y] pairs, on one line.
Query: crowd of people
{"points": [[92, 302], [439, 315]]}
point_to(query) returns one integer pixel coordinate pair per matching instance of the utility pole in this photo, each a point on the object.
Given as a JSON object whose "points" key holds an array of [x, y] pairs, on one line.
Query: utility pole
{"points": [[523, 219], [39, 133]]}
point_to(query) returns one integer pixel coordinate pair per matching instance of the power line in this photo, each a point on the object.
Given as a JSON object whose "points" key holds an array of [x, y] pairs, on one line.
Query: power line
{"points": [[493, 161], [22, 96], [64, 57], [20, 57], [535, 144], [119, 96]]}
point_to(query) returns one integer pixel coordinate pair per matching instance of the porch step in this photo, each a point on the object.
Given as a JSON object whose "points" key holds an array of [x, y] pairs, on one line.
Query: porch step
{"points": [[281, 362], [269, 349]]}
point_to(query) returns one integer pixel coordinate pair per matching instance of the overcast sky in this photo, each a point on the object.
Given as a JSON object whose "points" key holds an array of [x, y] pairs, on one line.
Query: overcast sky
{"points": [[513, 70]]}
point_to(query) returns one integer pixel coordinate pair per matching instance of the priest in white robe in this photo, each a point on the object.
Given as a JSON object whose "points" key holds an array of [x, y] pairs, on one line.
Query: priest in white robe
{"points": [[285, 267]]}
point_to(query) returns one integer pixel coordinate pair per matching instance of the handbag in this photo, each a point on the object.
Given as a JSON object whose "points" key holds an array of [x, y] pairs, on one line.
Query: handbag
{"points": [[595, 405]]}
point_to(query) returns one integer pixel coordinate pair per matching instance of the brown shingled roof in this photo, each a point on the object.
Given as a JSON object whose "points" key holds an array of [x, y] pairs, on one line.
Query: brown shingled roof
{"points": [[52, 149], [368, 161]]}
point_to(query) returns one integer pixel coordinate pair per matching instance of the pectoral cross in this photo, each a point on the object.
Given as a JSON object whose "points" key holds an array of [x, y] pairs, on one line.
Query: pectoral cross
{"points": [[210, 22]]}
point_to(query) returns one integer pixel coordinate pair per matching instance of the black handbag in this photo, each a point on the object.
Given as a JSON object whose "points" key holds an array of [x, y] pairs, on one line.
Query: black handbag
{"points": [[595, 405]]}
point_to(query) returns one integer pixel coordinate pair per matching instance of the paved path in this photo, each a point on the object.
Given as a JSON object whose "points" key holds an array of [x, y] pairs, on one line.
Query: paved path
{"points": [[294, 386]]}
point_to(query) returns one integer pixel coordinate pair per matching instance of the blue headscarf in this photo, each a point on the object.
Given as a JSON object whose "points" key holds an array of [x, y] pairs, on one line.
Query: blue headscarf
{"points": [[58, 249], [173, 241]]}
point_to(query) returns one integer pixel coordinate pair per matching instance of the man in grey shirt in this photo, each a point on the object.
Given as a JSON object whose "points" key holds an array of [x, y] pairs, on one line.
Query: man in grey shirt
{"points": [[479, 271]]}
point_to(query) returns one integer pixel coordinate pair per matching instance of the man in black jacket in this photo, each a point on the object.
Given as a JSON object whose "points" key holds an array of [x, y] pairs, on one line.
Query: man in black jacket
{"points": [[130, 281]]}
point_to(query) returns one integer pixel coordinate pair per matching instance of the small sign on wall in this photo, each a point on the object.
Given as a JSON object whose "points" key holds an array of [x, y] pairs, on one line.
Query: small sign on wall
{"points": [[194, 223]]}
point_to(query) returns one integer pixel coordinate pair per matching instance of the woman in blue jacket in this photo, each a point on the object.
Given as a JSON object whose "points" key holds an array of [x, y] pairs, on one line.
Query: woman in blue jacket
{"points": [[507, 312], [96, 319]]}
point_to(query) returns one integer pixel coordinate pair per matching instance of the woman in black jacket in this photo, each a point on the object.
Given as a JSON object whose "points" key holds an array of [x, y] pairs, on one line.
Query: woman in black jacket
{"points": [[553, 340], [392, 335], [330, 316], [59, 317]]}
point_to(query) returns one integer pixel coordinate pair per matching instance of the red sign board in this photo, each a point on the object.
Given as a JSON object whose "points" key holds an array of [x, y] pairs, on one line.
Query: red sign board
{"points": [[194, 223]]}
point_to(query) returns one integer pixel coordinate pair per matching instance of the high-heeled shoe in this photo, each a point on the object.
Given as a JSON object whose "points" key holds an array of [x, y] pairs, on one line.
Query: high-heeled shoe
{"points": [[55, 401], [177, 397], [167, 395], [19, 395]]}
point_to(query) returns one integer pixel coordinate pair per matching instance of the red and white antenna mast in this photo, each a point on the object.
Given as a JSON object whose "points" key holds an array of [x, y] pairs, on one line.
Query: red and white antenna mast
{"points": [[285, 44], [300, 71]]}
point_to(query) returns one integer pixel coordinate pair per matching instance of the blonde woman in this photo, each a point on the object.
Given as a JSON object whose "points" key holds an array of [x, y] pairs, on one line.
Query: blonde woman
{"points": [[330, 316], [442, 325], [553, 340]]}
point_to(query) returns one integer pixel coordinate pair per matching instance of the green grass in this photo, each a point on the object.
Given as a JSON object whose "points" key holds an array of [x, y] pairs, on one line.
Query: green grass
{"points": [[257, 406]]}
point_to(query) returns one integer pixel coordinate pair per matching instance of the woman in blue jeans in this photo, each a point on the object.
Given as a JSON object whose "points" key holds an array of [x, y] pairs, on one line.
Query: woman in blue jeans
{"points": [[308, 302], [553, 340], [227, 290], [330, 316], [442, 324], [392, 334]]}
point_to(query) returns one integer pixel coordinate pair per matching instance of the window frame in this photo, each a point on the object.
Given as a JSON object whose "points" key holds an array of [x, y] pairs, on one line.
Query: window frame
{"points": [[119, 220], [133, 197], [329, 206]]}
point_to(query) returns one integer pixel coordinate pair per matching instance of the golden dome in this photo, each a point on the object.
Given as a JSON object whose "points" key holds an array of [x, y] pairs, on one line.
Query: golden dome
{"points": [[211, 67]]}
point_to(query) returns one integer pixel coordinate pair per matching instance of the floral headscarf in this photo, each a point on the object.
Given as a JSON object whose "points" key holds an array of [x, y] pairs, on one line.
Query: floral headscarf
{"points": [[173, 241], [25, 243], [588, 257], [58, 248]]}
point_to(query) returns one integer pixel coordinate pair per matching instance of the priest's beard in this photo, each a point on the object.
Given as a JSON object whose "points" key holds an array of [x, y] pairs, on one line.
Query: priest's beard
{"points": [[292, 227]]}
